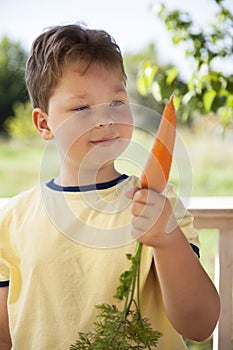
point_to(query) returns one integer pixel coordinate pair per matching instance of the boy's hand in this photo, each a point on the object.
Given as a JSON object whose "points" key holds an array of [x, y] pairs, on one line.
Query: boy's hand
{"points": [[187, 291], [153, 220]]}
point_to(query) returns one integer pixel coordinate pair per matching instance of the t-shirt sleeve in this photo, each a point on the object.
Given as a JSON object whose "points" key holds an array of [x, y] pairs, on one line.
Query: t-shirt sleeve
{"points": [[183, 217], [4, 271], [5, 248]]}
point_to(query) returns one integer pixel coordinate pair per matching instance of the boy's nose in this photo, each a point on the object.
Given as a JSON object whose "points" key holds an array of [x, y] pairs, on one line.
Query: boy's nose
{"points": [[103, 117], [104, 123]]}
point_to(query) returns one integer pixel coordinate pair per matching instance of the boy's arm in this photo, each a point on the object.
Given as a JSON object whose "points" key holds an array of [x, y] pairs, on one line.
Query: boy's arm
{"points": [[189, 296], [5, 339]]}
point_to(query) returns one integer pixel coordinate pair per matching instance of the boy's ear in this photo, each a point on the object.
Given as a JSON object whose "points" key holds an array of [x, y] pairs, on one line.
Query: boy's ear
{"points": [[40, 120]]}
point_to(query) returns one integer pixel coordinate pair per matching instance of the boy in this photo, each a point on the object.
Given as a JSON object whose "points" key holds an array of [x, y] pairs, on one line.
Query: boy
{"points": [[52, 237]]}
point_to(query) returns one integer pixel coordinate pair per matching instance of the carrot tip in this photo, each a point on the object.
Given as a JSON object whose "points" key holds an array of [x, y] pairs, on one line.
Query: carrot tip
{"points": [[162, 150]]}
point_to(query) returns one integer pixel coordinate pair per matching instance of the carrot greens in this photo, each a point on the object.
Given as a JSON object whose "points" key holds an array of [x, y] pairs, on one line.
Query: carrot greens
{"points": [[122, 329]]}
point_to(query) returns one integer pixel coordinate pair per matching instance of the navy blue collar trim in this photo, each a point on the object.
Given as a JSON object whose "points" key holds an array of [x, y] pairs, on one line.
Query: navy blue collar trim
{"points": [[101, 186], [4, 284], [195, 249]]}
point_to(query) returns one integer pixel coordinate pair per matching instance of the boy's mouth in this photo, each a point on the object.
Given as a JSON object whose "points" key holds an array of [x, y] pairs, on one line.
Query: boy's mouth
{"points": [[106, 141]]}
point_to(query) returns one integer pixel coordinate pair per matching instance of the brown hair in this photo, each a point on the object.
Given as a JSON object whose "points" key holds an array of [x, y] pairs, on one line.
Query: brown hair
{"points": [[61, 44]]}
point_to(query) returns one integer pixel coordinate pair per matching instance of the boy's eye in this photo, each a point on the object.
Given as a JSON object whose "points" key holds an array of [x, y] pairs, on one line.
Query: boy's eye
{"points": [[116, 103], [81, 108]]}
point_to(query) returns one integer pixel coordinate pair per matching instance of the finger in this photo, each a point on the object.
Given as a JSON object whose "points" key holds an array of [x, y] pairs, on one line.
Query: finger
{"points": [[138, 209], [130, 194], [141, 195], [144, 210], [137, 234], [142, 224], [147, 196]]}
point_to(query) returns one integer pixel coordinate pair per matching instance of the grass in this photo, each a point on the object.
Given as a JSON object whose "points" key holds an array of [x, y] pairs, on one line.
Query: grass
{"points": [[212, 158], [19, 166], [24, 164]]}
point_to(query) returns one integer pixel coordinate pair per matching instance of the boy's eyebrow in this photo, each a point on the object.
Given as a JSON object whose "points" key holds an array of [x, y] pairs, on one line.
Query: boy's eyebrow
{"points": [[80, 96], [85, 95]]}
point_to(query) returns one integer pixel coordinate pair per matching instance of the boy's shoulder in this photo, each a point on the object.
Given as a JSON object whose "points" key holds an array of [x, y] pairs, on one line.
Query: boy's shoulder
{"points": [[21, 201]]}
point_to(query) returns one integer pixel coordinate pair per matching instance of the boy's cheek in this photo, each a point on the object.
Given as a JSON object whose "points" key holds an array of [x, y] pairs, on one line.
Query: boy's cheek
{"points": [[69, 132]]}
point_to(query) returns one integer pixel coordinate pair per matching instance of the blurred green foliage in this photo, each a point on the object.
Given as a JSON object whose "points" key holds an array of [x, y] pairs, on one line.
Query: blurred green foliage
{"points": [[12, 85], [20, 126], [207, 90]]}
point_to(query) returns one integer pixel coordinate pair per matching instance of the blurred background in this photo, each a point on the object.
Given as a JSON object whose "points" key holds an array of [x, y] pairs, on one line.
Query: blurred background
{"points": [[184, 48]]}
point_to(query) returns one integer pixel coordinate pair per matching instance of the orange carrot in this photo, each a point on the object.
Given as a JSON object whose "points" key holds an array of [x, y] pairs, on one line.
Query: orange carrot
{"points": [[157, 168]]}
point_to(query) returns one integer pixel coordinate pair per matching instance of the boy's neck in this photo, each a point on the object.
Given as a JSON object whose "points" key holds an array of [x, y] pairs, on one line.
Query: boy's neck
{"points": [[88, 177]]}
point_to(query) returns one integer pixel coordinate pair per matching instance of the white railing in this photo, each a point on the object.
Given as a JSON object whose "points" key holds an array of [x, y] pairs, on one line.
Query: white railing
{"points": [[216, 213]]}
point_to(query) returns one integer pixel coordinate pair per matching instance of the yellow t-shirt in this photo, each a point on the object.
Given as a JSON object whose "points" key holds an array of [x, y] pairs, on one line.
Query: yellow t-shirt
{"points": [[56, 251]]}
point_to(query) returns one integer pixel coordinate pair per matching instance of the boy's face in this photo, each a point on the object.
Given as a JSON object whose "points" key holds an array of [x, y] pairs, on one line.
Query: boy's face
{"points": [[89, 116]]}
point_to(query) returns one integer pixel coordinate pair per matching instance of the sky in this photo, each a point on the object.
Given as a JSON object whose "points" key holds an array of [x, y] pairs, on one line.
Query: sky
{"points": [[130, 22]]}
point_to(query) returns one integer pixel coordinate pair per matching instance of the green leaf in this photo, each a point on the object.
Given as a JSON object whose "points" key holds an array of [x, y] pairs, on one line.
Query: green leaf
{"points": [[171, 75], [176, 39], [145, 80], [225, 115], [208, 99], [191, 82], [150, 72], [142, 85], [177, 101], [156, 91], [230, 85], [187, 97], [229, 102]]}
